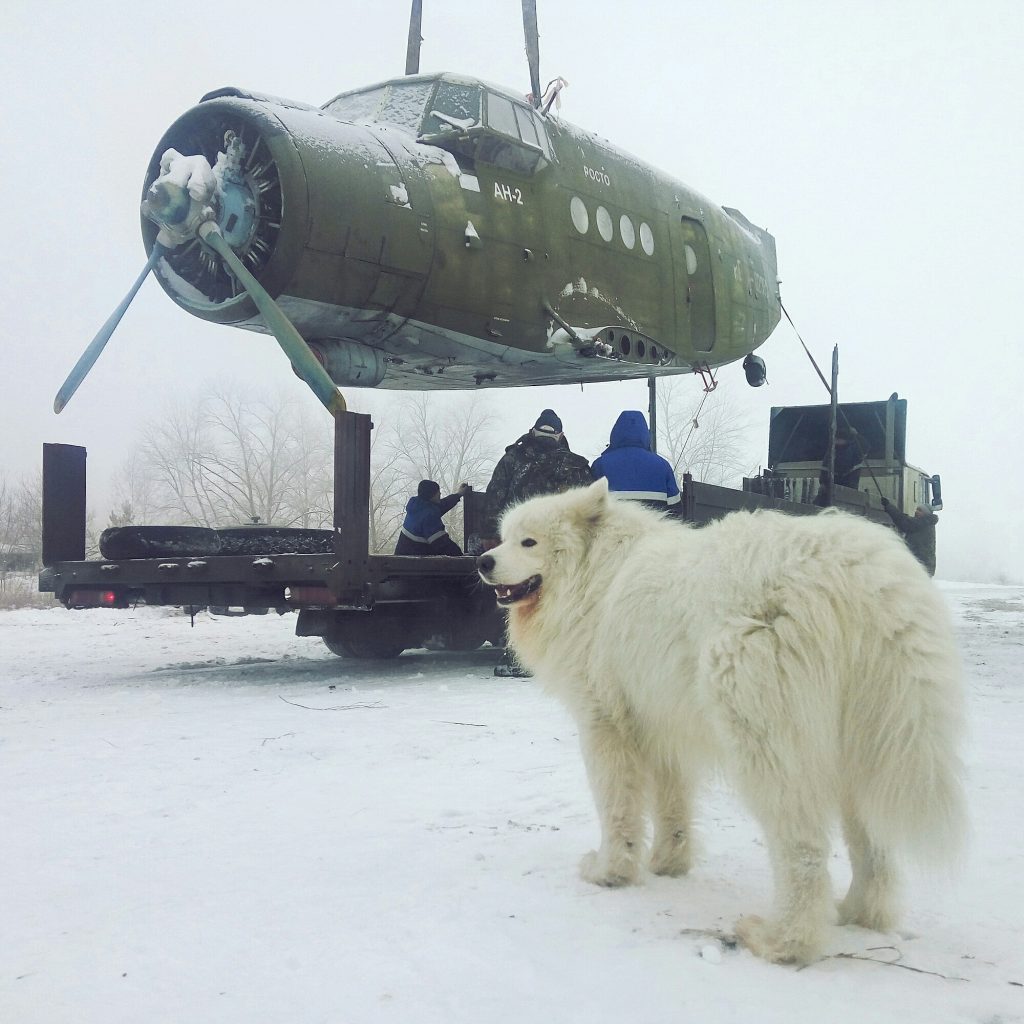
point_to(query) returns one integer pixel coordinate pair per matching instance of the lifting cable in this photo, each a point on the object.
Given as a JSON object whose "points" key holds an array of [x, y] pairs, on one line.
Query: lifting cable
{"points": [[853, 434], [828, 387], [693, 423]]}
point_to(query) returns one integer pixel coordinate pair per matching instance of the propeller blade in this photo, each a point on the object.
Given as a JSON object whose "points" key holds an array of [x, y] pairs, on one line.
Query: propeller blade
{"points": [[412, 53], [92, 353], [532, 47], [307, 366]]}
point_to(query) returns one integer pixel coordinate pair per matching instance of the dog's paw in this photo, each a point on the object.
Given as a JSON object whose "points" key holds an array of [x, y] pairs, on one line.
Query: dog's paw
{"points": [[876, 919], [769, 942], [599, 870], [671, 859]]}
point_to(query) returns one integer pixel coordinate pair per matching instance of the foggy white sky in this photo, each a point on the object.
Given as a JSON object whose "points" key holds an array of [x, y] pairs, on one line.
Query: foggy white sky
{"points": [[879, 143]]}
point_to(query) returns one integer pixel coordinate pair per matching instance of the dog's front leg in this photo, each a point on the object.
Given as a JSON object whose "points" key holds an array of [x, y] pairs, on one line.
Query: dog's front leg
{"points": [[613, 767]]}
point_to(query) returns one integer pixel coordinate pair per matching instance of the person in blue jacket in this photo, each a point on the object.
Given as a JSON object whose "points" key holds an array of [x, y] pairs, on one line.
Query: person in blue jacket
{"points": [[423, 533], [632, 469]]}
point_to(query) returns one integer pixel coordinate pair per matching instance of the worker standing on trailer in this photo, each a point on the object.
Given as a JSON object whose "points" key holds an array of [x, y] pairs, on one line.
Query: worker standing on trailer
{"points": [[423, 532], [633, 471], [918, 531]]}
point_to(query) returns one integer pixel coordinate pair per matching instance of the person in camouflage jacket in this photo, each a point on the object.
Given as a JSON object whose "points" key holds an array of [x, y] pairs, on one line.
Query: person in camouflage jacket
{"points": [[539, 462], [918, 531]]}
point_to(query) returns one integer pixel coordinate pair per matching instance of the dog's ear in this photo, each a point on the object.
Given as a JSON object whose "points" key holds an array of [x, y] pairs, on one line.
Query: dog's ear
{"points": [[590, 503]]}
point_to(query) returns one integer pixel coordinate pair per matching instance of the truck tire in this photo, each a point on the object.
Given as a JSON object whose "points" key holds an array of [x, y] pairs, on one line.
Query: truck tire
{"points": [[117, 542], [372, 648], [275, 540], [463, 640]]}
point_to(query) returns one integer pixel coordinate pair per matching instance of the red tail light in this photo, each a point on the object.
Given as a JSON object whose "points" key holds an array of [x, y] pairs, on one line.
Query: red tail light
{"points": [[96, 599]]}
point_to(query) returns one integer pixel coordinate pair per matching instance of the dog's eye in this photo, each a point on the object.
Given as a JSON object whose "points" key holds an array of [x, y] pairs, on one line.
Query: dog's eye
{"points": [[529, 542]]}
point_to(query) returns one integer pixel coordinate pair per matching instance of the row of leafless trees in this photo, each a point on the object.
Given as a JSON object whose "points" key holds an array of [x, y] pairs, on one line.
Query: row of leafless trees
{"points": [[227, 458]]}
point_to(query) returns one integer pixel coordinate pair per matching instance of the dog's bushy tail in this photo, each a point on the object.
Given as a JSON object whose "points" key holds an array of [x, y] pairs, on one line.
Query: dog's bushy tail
{"points": [[904, 771]]}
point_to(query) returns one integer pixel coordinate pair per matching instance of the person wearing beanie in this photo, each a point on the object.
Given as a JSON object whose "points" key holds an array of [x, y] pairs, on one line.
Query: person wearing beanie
{"points": [[548, 424], [917, 530], [423, 532], [539, 462], [633, 471]]}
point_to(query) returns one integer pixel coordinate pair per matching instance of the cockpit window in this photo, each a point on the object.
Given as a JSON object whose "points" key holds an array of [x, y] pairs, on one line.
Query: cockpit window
{"points": [[527, 129], [517, 121], [454, 108], [404, 104], [506, 134], [357, 106], [500, 115]]}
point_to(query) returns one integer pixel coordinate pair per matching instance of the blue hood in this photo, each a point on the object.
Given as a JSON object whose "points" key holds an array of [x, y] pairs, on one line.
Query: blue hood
{"points": [[630, 431]]}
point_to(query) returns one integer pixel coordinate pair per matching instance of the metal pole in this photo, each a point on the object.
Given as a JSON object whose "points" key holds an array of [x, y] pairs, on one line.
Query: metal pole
{"points": [[352, 497], [652, 410], [832, 415], [412, 53], [532, 48]]}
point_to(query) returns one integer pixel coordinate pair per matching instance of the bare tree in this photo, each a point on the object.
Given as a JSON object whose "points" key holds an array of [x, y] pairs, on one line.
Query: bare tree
{"points": [[133, 492], [227, 458], [448, 442], [174, 448], [21, 521], [20, 543], [252, 469], [309, 499], [703, 433]]}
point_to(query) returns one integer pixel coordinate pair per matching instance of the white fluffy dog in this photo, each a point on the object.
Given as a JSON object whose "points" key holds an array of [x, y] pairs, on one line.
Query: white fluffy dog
{"points": [[807, 657]]}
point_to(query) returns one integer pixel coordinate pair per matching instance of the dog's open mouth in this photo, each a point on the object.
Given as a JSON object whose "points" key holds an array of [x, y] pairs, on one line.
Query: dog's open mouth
{"points": [[510, 595]]}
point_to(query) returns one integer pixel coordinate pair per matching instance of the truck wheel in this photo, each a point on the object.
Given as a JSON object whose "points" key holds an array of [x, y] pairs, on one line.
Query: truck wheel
{"points": [[364, 647], [117, 542], [461, 641]]}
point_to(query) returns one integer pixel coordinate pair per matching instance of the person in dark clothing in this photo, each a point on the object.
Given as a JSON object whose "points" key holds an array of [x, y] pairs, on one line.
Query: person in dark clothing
{"points": [[848, 463], [633, 471], [423, 533], [918, 531], [539, 462]]}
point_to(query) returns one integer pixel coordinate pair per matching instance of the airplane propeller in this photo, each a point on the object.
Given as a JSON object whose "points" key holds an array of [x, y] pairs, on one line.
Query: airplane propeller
{"points": [[95, 347], [305, 363], [181, 201]]}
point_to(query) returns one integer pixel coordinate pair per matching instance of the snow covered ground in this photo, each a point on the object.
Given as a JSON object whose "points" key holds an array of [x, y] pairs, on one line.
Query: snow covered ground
{"points": [[227, 824]]}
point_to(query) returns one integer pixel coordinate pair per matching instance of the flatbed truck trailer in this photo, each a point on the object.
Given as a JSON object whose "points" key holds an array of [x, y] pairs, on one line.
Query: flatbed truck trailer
{"points": [[362, 604]]}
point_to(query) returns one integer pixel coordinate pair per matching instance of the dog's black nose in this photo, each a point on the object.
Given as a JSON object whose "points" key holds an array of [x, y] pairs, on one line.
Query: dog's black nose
{"points": [[485, 563]]}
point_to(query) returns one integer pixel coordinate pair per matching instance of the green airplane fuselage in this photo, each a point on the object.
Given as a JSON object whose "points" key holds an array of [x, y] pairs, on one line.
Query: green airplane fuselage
{"points": [[438, 232]]}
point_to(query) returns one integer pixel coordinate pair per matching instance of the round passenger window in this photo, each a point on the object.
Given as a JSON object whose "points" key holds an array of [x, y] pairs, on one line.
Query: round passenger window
{"points": [[647, 238], [580, 217], [627, 231], [604, 224]]}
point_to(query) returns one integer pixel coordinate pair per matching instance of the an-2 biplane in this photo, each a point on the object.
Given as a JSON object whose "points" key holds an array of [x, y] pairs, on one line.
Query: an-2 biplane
{"points": [[438, 232]]}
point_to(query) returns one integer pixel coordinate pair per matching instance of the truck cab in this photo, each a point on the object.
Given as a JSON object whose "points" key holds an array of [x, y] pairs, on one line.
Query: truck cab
{"points": [[798, 441]]}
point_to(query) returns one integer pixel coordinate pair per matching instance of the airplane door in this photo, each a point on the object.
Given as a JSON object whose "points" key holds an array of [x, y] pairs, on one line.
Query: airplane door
{"points": [[695, 307]]}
